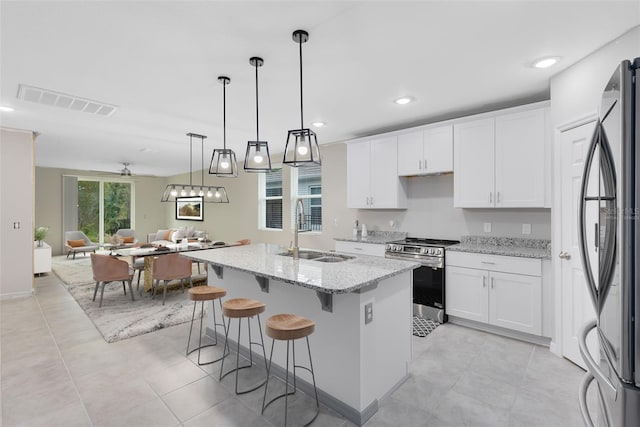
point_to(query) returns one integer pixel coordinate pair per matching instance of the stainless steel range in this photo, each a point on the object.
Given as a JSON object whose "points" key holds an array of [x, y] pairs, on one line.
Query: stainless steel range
{"points": [[429, 278]]}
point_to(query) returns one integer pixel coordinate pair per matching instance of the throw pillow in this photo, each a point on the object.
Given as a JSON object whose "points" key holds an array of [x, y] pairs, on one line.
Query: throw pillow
{"points": [[167, 235], [127, 239], [177, 236], [75, 243]]}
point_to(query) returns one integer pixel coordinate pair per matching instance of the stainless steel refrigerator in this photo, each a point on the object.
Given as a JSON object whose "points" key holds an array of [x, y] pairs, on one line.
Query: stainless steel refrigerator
{"points": [[609, 213]]}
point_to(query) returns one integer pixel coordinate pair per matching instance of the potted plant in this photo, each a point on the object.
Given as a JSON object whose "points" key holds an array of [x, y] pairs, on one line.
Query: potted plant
{"points": [[39, 234]]}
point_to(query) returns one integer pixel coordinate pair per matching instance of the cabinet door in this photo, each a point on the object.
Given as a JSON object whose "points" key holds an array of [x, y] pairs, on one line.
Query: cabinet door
{"points": [[358, 175], [387, 190], [520, 165], [466, 293], [473, 164], [410, 154], [515, 302], [438, 150]]}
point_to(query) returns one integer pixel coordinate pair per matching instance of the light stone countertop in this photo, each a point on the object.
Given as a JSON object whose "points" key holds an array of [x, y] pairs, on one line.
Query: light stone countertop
{"points": [[262, 259], [507, 246], [375, 237]]}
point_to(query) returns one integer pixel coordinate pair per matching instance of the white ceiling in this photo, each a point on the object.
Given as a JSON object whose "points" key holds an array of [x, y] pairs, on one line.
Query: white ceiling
{"points": [[159, 62]]}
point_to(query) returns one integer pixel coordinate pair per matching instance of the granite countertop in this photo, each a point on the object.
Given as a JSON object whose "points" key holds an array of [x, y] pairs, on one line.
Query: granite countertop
{"points": [[508, 246], [375, 236], [335, 278]]}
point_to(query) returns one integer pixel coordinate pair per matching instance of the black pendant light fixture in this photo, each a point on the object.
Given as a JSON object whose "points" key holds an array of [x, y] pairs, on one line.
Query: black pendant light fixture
{"points": [[302, 144], [257, 158], [209, 193], [223, 161]]}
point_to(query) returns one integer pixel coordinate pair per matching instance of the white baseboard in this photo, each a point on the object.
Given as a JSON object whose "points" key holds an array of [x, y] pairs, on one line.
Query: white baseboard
{"points": [[15, 295]]}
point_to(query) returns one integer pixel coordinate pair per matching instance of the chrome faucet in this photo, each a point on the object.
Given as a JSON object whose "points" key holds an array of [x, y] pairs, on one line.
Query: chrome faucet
{"points": [[296, 248]]}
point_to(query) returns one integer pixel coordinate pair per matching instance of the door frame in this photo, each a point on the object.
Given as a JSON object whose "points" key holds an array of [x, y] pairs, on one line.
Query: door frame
{"points": [[556, 223]]}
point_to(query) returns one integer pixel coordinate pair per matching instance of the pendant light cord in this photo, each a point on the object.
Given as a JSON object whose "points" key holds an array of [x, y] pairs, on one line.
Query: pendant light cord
{"points": [[301, 108], [191, 160], [202, 160], [224, 114], [257, 113]]}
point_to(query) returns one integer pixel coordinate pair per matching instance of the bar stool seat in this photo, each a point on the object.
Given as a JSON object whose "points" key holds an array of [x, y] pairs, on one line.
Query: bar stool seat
{"points": [[290, 327], [240, 308], [202, 294]]}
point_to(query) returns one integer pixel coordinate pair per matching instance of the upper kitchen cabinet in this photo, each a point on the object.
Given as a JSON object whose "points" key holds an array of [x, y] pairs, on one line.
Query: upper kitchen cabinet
{"points": [[426, 152], [501, 161], [372, 175]]}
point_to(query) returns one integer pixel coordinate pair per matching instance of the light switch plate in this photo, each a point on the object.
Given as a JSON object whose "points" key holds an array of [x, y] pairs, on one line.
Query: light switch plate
{"points": [[526, 228], [487, 227]]}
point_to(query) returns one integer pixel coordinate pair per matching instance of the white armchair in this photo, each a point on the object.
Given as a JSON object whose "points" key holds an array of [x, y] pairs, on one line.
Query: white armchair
{"points": [[77, 241]]}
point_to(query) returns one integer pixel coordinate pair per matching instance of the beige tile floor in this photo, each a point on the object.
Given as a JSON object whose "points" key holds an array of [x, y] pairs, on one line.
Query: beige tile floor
{"points": [[56, 370]]}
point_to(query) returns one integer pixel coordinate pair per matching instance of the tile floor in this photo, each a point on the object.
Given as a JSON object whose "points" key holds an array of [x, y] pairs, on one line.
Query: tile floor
{"points": [[56, 370]]}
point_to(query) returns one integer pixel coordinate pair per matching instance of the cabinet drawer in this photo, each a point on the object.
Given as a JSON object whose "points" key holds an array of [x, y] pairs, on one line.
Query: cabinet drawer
{"points": [[360, 248], [506, 264]]}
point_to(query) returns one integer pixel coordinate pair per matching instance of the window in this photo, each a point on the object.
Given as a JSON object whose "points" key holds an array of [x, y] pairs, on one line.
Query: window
{"points": [[103, 207], [270, 193], [306, 184]]}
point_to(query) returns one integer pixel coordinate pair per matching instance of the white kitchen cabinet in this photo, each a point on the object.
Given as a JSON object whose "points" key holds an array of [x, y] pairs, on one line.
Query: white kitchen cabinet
{"points": [[500, 161], [372, 175], [360, 248], [473, 164], [487, 289], [426, 152]]}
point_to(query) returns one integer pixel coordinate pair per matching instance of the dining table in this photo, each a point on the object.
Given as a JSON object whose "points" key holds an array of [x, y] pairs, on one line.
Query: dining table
{"points": [[148, 252]]}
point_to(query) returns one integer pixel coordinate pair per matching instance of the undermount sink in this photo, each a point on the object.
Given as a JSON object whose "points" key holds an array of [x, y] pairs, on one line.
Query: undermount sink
{"points": [[319, 256]]}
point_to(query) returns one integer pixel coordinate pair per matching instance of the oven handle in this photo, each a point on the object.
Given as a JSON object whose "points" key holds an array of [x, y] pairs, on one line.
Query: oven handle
{"points": [[436, 265]]}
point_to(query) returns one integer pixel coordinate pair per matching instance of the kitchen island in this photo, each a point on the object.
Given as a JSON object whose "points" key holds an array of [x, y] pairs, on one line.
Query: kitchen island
{"points": [[361, 346]]}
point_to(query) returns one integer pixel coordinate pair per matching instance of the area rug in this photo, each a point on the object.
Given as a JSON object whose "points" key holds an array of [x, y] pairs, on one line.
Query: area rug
{"points": [[119, 317], [423, 327]]}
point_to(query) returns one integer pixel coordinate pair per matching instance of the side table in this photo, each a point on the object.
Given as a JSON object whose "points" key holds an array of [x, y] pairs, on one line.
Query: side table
{"points": [[41, 258]]}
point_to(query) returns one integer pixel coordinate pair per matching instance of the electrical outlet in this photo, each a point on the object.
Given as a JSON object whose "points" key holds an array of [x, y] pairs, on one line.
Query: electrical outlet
{"points": [[526, 228], [368, 313], [487, 227]]}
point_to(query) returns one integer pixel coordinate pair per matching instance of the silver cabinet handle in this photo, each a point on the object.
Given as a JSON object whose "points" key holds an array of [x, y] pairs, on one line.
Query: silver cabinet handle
{"points": [[487, 262], [425, 164], [498, 197], [484, 281], [490, 197], [371, 200], [420, 164], [358, 249], [492, 283]]}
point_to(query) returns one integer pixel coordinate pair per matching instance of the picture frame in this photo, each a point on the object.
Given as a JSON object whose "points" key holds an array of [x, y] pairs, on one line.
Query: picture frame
{"points": [[190, 208]]}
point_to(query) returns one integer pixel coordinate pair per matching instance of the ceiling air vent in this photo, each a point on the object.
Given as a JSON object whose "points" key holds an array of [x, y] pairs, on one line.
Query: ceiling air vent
{"points": [[63, 100]]}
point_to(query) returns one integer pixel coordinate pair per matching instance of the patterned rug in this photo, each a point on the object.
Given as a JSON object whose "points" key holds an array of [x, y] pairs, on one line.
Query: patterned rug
{"points": [[119, 317], [423, 327]]}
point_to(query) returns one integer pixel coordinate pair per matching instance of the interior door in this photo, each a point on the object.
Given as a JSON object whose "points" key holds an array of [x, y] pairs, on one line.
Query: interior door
{"points": [[577, 308]]}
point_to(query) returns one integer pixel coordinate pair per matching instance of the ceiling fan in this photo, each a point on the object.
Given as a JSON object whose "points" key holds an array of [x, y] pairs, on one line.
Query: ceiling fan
{"points": [[125, 171]]}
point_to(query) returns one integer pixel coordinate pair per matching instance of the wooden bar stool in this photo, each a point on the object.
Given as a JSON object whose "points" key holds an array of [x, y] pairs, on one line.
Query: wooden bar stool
{"points": [[239, 308], [290, 327], [202, 294]]}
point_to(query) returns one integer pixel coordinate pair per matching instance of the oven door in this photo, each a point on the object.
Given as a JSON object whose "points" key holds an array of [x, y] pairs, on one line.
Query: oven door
{"points": [[428, 289]]}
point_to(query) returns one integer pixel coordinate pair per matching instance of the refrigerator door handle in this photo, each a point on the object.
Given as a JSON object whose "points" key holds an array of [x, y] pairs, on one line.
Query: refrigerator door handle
{"points": [[582, 213], [592, 366], [584, 410]]}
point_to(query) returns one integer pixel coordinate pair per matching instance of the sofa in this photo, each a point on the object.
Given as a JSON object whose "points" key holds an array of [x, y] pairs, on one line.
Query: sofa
{"points": [[174, 235]]}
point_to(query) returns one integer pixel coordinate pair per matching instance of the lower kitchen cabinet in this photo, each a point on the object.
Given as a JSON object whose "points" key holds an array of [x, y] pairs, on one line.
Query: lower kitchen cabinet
{"points": [[359, 248], [500, 298]]}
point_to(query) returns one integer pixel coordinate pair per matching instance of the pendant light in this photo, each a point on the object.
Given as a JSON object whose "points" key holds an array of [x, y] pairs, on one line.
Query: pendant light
{"points": [[209, 193], [257, 158], [302, 144], [223, 162]]}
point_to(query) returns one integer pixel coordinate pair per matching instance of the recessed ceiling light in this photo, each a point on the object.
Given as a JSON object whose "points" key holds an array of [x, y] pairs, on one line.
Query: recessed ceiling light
{"points": [[318, 124], [404, 100], [546, 62], [6, 109]]}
